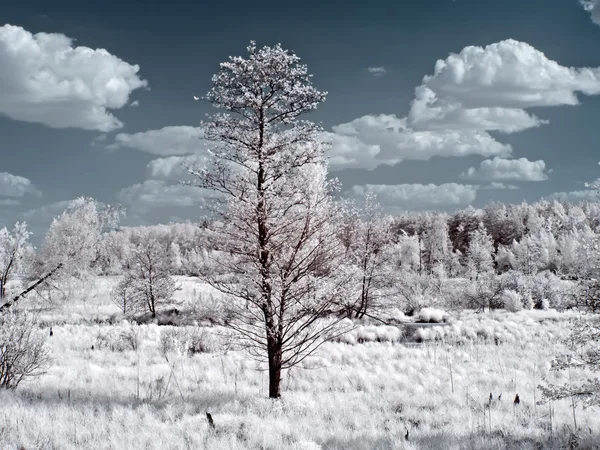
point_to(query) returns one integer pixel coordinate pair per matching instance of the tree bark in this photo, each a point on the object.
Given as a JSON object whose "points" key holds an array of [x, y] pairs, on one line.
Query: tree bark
{"points": [[275, 359]]}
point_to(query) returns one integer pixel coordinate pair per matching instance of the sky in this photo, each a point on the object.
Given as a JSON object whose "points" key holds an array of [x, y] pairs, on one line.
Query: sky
{"points": [[432, 104]]}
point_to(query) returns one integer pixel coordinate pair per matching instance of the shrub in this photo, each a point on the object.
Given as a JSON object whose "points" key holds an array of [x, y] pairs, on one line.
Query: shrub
{"points": [[432, 315], [23, 351], [512, 300]]}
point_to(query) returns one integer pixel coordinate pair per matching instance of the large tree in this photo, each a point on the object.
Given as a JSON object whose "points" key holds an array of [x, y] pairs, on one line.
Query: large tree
{"points": [[276, 252]]}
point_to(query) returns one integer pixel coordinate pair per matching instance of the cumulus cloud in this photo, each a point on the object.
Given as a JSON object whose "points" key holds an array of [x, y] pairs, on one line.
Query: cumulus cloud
{"points": [[418, 195], [16, 186], [488, 88], [370, 141], [593, 6], [45, 79], [143, 197], [172, 167], [469, 94], [167, 141], [499, 169], [377, 71]]}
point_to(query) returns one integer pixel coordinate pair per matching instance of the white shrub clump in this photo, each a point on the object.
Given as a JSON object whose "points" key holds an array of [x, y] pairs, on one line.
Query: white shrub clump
{"points": [[512, 300]]}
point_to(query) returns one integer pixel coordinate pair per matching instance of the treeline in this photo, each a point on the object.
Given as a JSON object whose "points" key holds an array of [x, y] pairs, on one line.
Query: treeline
{"points": [[547, 235]]}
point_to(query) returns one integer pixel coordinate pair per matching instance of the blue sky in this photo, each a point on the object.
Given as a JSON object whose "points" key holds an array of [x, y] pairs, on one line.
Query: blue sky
{"points": [[509, 113]]}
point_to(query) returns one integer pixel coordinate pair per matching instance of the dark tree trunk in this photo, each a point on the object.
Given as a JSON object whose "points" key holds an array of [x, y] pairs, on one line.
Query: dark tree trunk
{"points": [[275, 359]]}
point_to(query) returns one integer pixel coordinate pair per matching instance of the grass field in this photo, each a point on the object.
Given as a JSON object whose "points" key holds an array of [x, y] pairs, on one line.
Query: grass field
{"points": [[379, 387]]}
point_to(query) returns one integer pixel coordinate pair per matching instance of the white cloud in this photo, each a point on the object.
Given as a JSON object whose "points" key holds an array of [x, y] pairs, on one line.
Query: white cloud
{"points": [[45, 79], [576, 196], [495, 185], [478, 90], [419, 195], [377, 71], [499, 169], [16, 186], [172, 167], [593, 6], [143, 197], [172, 140], [488, 88], [370, 141]]}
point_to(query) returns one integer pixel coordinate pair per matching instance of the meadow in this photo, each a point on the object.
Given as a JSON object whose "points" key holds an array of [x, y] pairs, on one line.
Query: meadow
{"points": [[118, 385]]}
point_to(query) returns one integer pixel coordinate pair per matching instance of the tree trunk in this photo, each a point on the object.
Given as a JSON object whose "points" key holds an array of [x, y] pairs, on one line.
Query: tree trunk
{"points": [[31, 288], [275, 358]]}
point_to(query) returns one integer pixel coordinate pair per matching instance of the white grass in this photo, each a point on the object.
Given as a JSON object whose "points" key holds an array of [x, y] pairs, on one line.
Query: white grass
{"points": [[351, 396]]}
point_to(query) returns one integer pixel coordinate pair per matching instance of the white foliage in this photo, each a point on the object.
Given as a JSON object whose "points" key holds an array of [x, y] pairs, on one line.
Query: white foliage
{"points": [[15, 253]]}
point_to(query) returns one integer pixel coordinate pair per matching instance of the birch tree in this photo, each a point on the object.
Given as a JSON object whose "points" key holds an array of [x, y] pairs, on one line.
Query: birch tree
{"points": [[275, 247], [15, 251]]}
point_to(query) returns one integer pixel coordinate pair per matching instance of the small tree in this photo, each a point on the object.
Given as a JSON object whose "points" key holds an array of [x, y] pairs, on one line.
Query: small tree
{"points": [[23, 352], [479, 257], [583, 356], [275, 250], [147, 284]]}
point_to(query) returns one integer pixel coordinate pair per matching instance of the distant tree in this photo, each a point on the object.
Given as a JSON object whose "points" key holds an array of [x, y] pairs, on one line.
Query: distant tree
{"points": [[147, 284], [15, 253], [460, 226], [275, 250], [480, 254], [436, 245]]}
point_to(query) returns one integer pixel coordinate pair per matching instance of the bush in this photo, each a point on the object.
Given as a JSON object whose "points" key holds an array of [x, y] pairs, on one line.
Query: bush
{"points": [[23, 351], [512, 300], [432, 315]]}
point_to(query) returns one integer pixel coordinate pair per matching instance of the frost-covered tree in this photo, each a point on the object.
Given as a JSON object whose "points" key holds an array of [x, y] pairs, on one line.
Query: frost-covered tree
{"points": [[15, 252], [147, 284], [436, 245], [479, 257], [275, 246], [369, 251], [583, 359], [405, 253], [68, 249]]}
